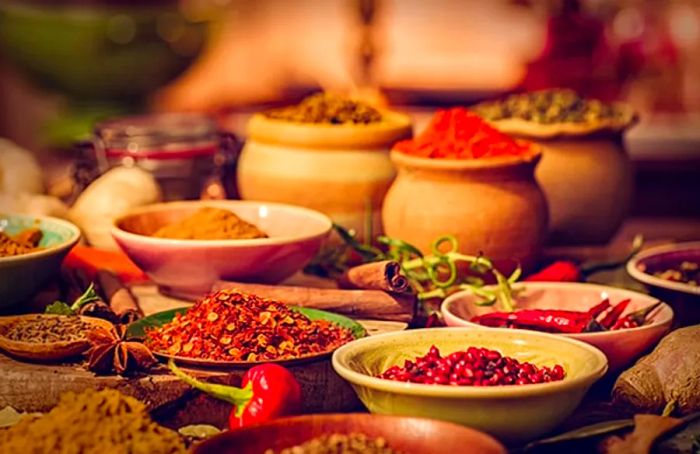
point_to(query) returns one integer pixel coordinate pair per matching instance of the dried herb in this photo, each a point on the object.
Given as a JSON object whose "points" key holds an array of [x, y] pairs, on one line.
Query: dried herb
{"points": [[548, 107], [327, 108], [231, 326], [112, 352]]}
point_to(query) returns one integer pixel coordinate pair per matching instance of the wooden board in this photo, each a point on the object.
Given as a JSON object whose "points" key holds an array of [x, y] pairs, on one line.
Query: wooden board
{"points": [[36, 388]]}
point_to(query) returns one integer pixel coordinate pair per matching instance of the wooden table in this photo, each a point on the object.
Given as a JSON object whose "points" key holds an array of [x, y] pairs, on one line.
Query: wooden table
{"points": [[34, 387]]}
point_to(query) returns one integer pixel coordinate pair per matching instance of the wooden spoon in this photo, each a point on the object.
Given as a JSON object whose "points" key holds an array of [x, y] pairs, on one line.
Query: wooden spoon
{"points": [[49, 351]]}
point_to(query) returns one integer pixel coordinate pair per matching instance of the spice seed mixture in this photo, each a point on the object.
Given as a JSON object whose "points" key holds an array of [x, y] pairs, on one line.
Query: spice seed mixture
{"points": [[232, 326], [49, 328], [354, 443]]}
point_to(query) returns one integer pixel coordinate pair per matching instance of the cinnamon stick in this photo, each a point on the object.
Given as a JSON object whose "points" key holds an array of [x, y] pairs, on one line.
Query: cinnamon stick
{"points": [[369, 304], [119, 297], [385, 275]]}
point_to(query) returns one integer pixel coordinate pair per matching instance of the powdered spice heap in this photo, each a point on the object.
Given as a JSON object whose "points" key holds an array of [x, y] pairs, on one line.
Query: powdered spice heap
{"points": [[96, 422], [233, 326], [460, 134]]}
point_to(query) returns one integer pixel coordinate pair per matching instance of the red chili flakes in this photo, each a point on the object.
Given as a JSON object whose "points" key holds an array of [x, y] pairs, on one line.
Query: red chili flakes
{"points": [[233, 326]]}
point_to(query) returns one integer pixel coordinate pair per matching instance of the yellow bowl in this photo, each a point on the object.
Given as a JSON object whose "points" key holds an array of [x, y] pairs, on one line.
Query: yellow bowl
{"points": [[510, 413]]}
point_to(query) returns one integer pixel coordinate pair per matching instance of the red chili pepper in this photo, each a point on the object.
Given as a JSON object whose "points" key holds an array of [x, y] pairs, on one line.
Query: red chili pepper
{"points": [[636, 318], [268, 391], [611, 317], [599, 308], [561, 271], [555, 321]]}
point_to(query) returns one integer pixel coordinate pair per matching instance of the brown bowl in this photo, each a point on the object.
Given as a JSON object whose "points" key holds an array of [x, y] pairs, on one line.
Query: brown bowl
{"points": [[49, 351], [403, 434]]}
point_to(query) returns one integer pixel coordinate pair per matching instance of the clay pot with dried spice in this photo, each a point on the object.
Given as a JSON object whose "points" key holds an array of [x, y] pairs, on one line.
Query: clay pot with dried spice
{"points": [[341, 169], [585, 172], [492, 205]]}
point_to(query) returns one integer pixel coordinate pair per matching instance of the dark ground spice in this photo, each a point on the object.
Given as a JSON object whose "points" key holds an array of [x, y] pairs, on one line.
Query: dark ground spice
{"points": [[231, 326]]}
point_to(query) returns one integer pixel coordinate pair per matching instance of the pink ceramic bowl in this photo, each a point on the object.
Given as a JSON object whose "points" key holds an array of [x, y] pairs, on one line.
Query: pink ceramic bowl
{"points": [[621, 347], [188, 268]]}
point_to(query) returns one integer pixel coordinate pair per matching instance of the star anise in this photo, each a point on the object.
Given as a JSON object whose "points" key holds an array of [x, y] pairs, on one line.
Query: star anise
{"points": [[112, 352]]}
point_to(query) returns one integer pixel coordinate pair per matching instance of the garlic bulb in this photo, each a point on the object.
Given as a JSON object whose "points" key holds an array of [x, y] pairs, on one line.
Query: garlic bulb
{"points": [[112, 194], [19, 170]]}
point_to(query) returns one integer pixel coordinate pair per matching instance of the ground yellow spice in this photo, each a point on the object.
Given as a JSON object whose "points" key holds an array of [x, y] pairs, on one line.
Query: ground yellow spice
{"points": [[209, 223], [92, 422]]}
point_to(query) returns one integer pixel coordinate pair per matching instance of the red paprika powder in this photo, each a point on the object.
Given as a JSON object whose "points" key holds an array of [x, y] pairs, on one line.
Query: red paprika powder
{"points": [[458, 133]]}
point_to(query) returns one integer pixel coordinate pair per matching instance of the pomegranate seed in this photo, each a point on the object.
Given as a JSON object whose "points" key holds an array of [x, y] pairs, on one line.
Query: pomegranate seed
{"points": [[473, 367]]}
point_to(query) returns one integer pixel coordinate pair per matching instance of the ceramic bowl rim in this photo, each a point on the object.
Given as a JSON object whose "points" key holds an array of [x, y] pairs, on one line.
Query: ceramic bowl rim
{"points": [[648, 279], [472, 392], [665, 321], [47, 251], [121, 234], [331, 417]]}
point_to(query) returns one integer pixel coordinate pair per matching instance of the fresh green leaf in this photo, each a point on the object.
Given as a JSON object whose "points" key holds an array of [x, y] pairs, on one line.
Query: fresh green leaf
{"points": [[59, 308], [88, 296]]}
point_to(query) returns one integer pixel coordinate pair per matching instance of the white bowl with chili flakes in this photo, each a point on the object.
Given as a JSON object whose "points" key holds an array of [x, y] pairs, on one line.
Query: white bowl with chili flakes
{"points": [[188, 268]]}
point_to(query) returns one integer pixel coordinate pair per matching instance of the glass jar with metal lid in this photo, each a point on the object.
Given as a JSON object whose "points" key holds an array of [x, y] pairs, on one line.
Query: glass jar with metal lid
{"points": [[182, 151]]}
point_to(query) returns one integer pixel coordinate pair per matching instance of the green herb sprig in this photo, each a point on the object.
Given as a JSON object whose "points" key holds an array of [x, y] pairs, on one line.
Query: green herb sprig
{"points": [[435, 275], [61, 308]]}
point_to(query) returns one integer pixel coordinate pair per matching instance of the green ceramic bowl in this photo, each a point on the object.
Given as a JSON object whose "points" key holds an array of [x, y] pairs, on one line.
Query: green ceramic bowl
{"points": [[23, 275], [510, 413]]}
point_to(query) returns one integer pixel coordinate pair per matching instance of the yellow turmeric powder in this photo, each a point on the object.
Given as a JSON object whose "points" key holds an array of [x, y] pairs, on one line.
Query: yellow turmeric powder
{"points": [[210, 223]]}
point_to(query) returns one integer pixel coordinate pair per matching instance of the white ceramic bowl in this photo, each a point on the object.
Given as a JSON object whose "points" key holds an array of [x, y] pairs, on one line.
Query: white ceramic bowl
{"points": [[188, 268], [511, 413], [621, 347]]}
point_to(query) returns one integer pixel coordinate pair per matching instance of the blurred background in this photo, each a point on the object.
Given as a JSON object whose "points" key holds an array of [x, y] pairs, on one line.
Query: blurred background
{"points": [[65, 65]]}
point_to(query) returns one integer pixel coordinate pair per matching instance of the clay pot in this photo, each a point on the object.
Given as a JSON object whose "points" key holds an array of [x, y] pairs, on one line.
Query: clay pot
{"points": [[343, 171], [585, 174], [492, 205], [588, 182]]}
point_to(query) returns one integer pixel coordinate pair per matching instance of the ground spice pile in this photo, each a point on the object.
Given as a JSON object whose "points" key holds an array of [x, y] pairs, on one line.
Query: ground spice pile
{"points": [[231, 326], [460, 134], [327, 108], [49, 328], [96, 422], [24, 242], [209, 223], [354, 443]]}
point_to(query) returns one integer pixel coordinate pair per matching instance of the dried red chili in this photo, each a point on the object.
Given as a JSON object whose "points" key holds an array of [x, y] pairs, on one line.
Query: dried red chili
{"points": [[231, 326], [458, 133]]}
